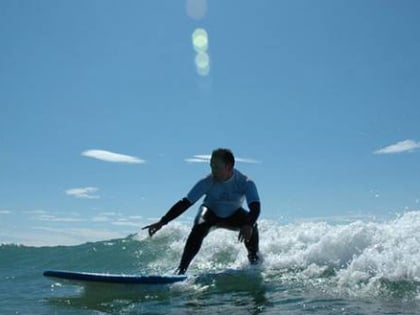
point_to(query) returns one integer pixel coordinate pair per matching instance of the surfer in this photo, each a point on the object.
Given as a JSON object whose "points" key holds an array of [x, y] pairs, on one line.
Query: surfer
{"points": [[225, 189]]}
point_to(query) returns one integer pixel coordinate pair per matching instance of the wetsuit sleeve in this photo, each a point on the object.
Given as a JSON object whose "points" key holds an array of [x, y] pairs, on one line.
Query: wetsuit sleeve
{"points": [[251, 192], [254, 212], [176, 210], [253, 200], [181, 206]]}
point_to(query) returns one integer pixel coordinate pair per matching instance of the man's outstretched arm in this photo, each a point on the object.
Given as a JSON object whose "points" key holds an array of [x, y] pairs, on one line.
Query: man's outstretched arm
{"points": [[176, 210]]}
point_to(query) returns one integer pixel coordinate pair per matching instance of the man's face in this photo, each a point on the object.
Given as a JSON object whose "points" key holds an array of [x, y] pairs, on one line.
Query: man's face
{"points": [[219, 169]]}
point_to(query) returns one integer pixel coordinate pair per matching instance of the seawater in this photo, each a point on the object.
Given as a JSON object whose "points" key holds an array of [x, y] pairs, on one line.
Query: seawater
{"points": [[313, 267]]}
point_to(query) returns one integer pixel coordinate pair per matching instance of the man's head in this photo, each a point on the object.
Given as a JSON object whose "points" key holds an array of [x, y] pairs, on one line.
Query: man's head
{"points": [[222, 162]]}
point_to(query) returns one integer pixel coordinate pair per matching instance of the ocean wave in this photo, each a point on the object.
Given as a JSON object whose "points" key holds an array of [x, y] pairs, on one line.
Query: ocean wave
{"points": [[361, 258]]}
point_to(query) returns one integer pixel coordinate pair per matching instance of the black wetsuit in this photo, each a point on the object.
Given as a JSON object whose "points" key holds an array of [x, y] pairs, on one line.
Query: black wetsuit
{"points": [[222, 207], [205, 221]]}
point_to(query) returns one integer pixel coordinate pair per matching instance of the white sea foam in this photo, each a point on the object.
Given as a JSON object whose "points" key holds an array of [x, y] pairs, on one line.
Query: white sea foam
{"points": [[355, 258], [360, 255]]}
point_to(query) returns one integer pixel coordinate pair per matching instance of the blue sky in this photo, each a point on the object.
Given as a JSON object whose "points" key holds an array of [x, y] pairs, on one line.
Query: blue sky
{"points": [[105, 106]]}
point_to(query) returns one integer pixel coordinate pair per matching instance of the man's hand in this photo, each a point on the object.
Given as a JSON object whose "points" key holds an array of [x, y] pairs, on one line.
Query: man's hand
{"points": [[245, 234], [153, 228]]}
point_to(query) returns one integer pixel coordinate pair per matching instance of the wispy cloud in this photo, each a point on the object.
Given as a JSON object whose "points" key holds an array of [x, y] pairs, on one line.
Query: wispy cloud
{"points": [[125, 222], [69, 236], [83, 192], [50, 228], [109, 156], [5, 212], [399, 147], [246, 160], [202, 158], [53, 218], [100, 218], [199, 159], [35, 212]]}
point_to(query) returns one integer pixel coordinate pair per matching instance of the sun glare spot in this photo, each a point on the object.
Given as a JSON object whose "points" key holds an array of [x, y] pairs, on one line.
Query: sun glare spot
{"points": [[196, 9], [202, 60], [200, 41], [203, 70]]}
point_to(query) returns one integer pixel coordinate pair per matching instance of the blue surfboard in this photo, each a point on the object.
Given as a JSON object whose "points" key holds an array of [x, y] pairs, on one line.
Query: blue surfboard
{"points": [[88, 277]]}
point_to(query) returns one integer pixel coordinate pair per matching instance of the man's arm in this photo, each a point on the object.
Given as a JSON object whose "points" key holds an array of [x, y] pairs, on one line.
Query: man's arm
{"points": [[245, 233], [254, 212], [175, 211]]}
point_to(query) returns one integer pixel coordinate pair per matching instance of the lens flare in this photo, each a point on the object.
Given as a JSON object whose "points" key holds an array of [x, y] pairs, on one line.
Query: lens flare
{"points": [[202, 62], [200, 40], [196, 9]]}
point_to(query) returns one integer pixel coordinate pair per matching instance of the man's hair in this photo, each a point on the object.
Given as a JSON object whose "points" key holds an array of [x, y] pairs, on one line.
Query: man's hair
{"points": [[225, 155]]}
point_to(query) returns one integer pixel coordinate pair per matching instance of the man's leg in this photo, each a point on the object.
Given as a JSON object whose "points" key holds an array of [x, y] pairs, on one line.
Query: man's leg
{"points": [[252, 246], [203, 222], [236, 221]]}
